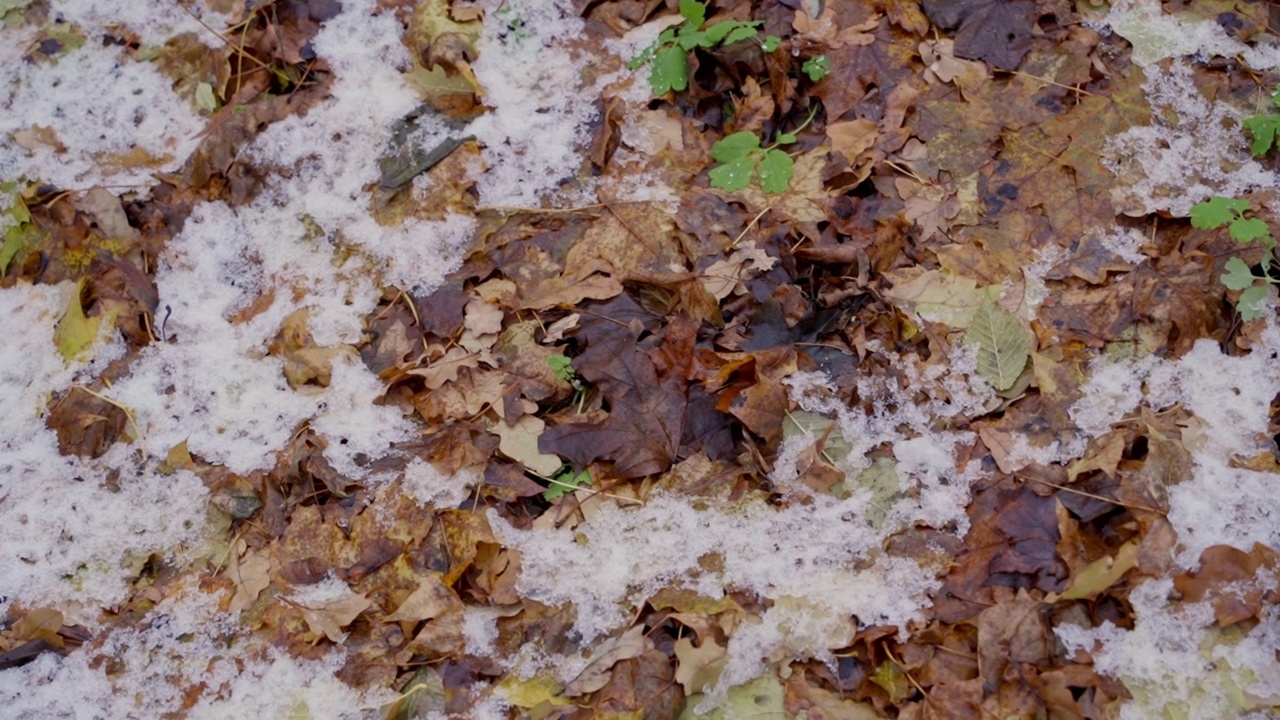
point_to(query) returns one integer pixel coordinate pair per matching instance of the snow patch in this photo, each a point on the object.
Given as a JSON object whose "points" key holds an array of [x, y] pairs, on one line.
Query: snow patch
{"points": [[184, 640], [1170, 166], [540, 114]]}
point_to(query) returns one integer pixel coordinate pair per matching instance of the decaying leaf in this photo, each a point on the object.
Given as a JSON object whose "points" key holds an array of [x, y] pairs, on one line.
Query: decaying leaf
{"points": [[1002, 345]]}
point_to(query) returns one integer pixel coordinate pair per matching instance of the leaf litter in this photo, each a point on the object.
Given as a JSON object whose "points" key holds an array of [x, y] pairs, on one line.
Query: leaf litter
{"points": [[948, 417]]}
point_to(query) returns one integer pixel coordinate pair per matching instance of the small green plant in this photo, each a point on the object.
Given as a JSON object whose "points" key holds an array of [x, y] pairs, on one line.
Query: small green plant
{"points": [[562, 366], [670, 54], [566, 482], [1218, 211], [816, 67], [741, 158], [1264, 128]]}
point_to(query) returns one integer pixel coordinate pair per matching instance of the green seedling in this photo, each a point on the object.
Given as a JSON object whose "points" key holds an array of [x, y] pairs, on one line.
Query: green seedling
{"points": [[562, 366], [1264, 128], [669, 56], [741, 158], [566, 482], [816, 67], [1218, 211]]}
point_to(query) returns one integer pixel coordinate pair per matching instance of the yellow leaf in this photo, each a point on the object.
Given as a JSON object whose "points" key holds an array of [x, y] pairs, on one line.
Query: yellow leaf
{"points": [[76, 333], [1102, 573]]}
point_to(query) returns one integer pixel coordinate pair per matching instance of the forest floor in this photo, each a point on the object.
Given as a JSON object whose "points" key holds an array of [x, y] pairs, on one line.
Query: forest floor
{"points": [[383, 358]]}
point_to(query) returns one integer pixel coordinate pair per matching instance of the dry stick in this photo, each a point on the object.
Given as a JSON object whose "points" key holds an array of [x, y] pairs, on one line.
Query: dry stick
{"points": [[516, 210], [1090, 495], [907, 172], [639, 238], [750, 225], [905, 672], [127, 412], [238, 49], [1050, 82], [592, 494]]}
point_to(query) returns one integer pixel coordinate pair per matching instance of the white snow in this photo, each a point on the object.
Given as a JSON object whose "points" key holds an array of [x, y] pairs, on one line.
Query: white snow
{"points": [[539, 115], [185, 642], [80, 140], [1173, 164]]}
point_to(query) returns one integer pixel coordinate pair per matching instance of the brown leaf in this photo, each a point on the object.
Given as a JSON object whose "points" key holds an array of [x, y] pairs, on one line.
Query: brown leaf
{"points": [[643, 431], [761, 408], [596, 674], [329, 618], [1232, 580], [85, 423], [997, 32], [251, 575], [1013, 631], [430, 600]]}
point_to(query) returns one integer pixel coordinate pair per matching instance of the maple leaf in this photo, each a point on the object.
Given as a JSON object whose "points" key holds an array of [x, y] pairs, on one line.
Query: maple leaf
{"points": [[642, 433], [997, 32]]}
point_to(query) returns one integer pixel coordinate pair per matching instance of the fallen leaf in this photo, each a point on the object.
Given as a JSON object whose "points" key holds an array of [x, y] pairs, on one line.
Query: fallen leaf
{"points": [[430, 600], [596, 674]]}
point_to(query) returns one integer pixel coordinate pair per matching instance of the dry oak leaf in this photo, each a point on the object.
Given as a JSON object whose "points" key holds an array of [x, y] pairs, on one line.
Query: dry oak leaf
{"points": [[823, 29], [430, 600], [251, 575], [852, 137], [1012, 631], [931, 207], [699, 666], [328, 618], [520, 442], [939, 296], [724, 277], [1234, 582], [595, 675], [444, 369]]}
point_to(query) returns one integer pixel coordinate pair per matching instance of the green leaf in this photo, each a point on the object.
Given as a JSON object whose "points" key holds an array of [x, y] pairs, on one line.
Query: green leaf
{"points": [[1002, 345], [786, 139], [816, 67], [694, 12], [741, 33], [1216, 212], [1246, 230], [642, 58], [734, 175], [559, 489], [735, 147], [670, 71], [716, 33], [562, 366], [771, 43], [775, 172], [1263, 128], [20, 231], [1250, 303], [690, 40], [1238, 276]]}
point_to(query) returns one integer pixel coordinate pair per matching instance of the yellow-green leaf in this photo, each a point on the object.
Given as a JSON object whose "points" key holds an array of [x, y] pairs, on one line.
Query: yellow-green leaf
{"points": [[1102, 573], [1002, 345], [75, 332]]}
